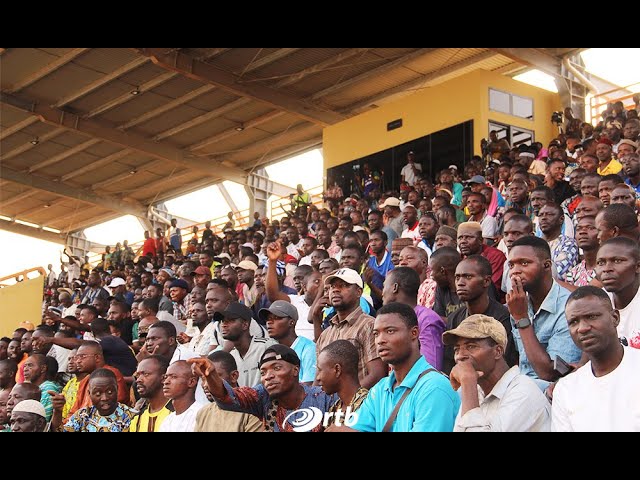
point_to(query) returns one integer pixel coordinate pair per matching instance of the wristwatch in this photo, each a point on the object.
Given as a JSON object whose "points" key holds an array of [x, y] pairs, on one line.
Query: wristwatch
{"points": [[523, 323]]}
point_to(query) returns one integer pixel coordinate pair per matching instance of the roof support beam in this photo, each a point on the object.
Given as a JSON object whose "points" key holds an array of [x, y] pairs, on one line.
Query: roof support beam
{"points": [[267, 59], [535, 58], [18, 198], [96, 164], [29, 145], [63, 155], [103, 131], [32, 232], [192, 68], [123, 176], [17, 127], [421, 82], [58, 188], [46, 70]]}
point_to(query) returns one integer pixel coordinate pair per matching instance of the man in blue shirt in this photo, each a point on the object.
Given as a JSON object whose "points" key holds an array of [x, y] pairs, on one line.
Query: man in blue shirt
{"points": [[537, 303], [427, 401], [281, 318], [378, 266], [175, 239]]}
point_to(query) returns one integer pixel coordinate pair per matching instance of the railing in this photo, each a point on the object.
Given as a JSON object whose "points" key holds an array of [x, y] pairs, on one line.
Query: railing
{"points": [[24, 273], [598, 103], [243, 219]]}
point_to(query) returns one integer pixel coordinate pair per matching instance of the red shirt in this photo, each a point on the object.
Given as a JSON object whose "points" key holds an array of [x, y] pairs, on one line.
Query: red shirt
{"points": [[496, 259], [149, 248]]}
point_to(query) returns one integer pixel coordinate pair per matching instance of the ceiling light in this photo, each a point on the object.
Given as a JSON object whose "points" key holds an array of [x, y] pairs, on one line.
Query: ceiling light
{"points": [[136, 91], [47, 205], [133, 171], [35, 141], [240, 128]]}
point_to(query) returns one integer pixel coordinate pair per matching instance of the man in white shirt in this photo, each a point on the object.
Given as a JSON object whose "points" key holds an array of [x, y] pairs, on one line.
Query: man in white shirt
{"points": [[495, 398], [410, 219], [618, 268], [411, 170], [604, 394], [179, 385]]}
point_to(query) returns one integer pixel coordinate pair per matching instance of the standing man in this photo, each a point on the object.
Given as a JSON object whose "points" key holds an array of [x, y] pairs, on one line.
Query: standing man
{"points": [[511, 401], [411, 171], [603, 395], [536, 303]]}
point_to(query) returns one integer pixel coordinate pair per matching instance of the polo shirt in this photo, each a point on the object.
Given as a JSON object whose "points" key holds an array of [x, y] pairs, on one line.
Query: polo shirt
{"points": [[306, 351], [431, 406], [380, 271], [248, 365]]}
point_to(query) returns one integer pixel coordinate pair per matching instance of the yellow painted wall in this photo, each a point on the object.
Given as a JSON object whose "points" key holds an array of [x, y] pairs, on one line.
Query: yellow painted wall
{"points": [[432, 109], [19, 303]]}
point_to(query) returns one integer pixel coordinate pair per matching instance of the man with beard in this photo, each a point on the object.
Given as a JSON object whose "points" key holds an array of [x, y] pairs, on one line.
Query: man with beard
{"points": [[155, 406], [607, 164], [470, 243], [428, 227], [536, 303], [36, 372], [564, 250], [278, 400], [587, 237]]}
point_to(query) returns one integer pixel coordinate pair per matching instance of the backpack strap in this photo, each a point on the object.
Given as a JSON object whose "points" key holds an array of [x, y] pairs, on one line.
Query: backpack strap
{"points": [[394, 414]]}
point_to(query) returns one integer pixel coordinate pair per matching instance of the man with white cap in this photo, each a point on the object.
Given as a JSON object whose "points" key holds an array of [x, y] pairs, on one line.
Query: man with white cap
{"points": [[391, 209], [495, 398], [411, 170], [28, 416], [68, 307], [118, 287], [533, 166], [246, 271], [351, 323]]}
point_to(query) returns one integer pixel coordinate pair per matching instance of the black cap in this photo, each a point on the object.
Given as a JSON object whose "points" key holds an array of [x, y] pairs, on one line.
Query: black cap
{"points": [[235, 310], [279, 352]]}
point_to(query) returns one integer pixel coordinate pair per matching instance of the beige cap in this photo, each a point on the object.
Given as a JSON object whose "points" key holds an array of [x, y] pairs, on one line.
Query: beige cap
{"points": [[30, 406], [477, 326], [247, 265], [629, 142], [391, 202]]}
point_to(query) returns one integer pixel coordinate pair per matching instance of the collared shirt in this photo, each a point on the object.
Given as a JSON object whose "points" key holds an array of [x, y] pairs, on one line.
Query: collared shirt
{"points": [[551, 329], [396, 224], [358, 329], [635, 187], [431, 327], [201, 343], [515, 404], [427, 292], [306, 351], [413, 233], [538, 167], [355, 404], [431, 406], [88, 419], [211, 418], [614, 166], [380, 271], [580, 275], [276, 418], [565, 254], [45, 398], [248, 365], [70, 391]]}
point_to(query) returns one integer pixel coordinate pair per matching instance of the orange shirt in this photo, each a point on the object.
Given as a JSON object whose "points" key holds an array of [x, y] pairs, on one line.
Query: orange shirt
{"points": [[20, 372]]}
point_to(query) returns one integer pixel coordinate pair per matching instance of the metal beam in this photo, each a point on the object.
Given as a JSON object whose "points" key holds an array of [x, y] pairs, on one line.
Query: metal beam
{"points": [[58, 188], [31, 232], [125, 175], [230, 202], [535, 58], [96, 164], [192, 68], [372, 73], [421, 82], [17, 127], [29, 145], [267, 59], [40, 208], [18, 198], [46, 70], [87, 89], [103, 131], [63, 155]]}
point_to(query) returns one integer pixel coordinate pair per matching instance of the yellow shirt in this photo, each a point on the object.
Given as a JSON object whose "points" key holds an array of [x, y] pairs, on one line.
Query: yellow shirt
{"points": [[614, 167], [149, 422], [70, 392]]}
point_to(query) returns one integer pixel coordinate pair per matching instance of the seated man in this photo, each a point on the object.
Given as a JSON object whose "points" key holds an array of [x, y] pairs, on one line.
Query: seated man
{"points": [[510, 401], [603, 395], [155, 406], [179, 385], [28, 416], [280, 397], [212, 418], [105, 413]]}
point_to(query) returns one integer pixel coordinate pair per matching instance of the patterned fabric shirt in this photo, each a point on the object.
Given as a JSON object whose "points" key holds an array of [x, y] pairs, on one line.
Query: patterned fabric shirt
{"points": [[565, 254], [354, 405], [45, 398], [89, 420], [181, 312], [580, 275], [427, 292], [70, 391]]}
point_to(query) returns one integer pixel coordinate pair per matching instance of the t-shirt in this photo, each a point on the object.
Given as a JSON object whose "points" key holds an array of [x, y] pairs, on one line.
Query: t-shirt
{"points": [[447, 302], [185, 422], [306, 351], [303, 327], [150, 422], [248, 365], [629, 327], [118, 355], [380, 271], [611, 403], [407, 173]]}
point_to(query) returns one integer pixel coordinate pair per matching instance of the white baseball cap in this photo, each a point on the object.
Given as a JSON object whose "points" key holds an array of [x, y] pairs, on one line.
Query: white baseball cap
{"points": [[116, 282], [347, 275]]}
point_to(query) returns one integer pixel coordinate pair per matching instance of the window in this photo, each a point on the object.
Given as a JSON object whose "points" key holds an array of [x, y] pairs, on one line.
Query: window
{"points": [[510, 104], [516, 136]]}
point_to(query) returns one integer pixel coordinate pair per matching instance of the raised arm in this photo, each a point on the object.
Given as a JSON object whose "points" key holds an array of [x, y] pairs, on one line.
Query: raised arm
{"points": [[274, 251]]}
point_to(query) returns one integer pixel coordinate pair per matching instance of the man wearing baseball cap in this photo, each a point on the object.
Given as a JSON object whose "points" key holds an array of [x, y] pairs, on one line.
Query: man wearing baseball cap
{"points": [[281, 319], [511, 401], [246, 271], [178, 290], [351, 323], [235, 322], [391, 208], [202, 276], [280, 401]]}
